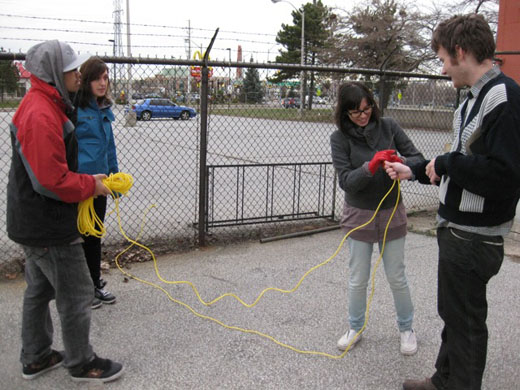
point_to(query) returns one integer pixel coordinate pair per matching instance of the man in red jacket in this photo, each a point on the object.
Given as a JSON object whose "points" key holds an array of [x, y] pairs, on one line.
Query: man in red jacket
{"points": [[42, 196]]}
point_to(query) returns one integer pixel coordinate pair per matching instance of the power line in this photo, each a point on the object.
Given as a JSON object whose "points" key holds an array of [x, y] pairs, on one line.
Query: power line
{"points": [[133, 34], [52, 28], [133, 24], [94, 44]]}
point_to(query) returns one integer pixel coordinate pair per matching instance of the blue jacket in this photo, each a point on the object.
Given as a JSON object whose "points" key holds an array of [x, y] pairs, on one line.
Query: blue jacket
{"points": [[97, 150]]}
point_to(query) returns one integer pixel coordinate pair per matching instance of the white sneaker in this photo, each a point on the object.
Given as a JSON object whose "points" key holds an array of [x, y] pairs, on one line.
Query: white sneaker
{"points": [[349, 338], [408, 342]]}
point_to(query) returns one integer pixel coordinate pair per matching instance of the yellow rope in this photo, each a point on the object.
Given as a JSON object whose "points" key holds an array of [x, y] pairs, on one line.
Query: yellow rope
{"points": [[89, 223], [205, 303], [251, 331]]}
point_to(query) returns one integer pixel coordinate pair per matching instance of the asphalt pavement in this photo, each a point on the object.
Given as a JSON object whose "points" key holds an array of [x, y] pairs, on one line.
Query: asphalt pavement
{"points": [[163, 345]]}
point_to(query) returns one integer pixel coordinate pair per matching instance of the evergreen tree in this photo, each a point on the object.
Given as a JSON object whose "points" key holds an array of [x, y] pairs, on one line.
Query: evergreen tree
{"points": [[251, 91], [315, 38], [8, 77]]}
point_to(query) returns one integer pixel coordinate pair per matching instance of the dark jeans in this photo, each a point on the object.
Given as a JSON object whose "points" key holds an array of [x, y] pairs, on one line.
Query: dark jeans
{"points": [[466, 263], [92, 245], [58, 272]]}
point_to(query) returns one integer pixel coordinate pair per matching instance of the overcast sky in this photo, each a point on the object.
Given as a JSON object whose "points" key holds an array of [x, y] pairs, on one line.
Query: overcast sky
{"points": [[158, 27]]}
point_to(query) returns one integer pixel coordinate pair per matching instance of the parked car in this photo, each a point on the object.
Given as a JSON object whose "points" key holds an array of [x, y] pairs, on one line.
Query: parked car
{"points": [[291, 102], [316, 100], [161, 108], [193, 97], [137, 96]]}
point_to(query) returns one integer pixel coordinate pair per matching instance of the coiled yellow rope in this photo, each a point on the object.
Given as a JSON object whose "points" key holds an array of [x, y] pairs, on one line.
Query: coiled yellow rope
{"points": [[251, 331], [89, 224]]}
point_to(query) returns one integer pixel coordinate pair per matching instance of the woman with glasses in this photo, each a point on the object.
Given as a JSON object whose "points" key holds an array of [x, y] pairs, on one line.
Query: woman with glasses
{"points": [[363, 142]]}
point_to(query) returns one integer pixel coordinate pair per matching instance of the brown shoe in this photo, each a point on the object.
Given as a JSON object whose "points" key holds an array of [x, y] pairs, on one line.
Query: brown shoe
{"points": [[411, 384]]}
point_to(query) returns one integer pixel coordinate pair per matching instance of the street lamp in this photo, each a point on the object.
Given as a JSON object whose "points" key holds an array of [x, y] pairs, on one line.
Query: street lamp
{"points": [[114, 64], [302, 98]]}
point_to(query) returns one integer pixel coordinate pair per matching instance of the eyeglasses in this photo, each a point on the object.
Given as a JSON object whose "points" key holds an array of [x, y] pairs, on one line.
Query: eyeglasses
{"points": [[357, 113]]}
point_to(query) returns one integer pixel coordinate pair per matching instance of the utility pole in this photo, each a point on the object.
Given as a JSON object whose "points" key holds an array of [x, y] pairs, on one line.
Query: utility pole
{"points": [[188, 86], [117, 44], [230, 87], [113, 65], [128, 51]]}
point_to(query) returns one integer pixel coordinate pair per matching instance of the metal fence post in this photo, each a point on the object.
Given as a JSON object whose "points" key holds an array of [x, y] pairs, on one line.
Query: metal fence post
{"points": [[382, 92], [203, 205], [203, 154]]}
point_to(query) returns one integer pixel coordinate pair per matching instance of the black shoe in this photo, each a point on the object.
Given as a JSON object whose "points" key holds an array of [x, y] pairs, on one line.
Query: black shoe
{"points": [[33, 370], [102, 283], [96, 303], [425, 384], [104, 296], [97, 370]]}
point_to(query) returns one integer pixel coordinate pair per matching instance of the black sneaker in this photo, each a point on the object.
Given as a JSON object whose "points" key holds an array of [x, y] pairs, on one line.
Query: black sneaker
{"points": [[102, 283], [104, 296], [97, 370], [34, 370], [96, 303]]}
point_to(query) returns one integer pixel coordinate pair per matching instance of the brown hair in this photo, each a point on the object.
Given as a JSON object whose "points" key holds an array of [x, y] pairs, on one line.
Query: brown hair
{"points": [[91, 70], [350, 95], [469, 32]]}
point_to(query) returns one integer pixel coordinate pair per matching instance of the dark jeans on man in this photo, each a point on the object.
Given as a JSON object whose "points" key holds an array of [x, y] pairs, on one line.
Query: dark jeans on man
{"points": [[466, 263], [56, 272], [92, 245]]}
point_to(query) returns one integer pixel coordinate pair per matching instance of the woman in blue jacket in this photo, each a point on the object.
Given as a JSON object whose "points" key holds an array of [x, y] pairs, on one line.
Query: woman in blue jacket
{"points": [[97, 154]]}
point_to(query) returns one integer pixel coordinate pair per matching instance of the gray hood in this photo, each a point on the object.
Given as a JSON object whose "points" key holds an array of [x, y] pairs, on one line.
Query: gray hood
{"points": [[48, 61]]}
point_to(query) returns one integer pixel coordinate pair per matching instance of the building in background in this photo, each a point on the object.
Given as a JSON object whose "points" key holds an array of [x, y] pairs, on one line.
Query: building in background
{"points": [[507, 38], [507, 41]]}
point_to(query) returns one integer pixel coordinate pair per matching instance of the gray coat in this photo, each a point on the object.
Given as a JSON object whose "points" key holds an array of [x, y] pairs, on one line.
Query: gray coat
{"points": [[353, 147]]}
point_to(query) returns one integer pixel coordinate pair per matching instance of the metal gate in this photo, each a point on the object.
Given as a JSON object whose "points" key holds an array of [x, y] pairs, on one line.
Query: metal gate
{"points": [[262, 193]]}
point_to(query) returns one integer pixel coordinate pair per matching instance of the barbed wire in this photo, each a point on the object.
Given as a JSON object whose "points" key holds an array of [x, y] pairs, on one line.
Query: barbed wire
{"points": [[105, 45]]}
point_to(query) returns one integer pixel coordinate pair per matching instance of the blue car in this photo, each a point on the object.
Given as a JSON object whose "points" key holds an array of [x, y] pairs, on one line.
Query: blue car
{"points": [[161, 108]]}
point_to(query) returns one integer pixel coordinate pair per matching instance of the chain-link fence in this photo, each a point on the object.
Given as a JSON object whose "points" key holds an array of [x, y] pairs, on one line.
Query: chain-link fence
{"points": [[265, 154]]}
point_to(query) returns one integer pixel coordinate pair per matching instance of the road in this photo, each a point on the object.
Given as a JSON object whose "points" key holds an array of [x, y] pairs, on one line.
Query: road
{"points": [[164, 346]]}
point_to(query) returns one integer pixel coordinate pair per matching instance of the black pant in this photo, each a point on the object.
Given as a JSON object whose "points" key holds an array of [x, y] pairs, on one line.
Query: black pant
{"points": [[466, 263], [92, 245]]}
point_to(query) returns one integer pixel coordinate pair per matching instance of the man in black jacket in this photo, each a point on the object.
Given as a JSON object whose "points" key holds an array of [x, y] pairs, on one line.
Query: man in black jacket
{"points": [[479, 188]]}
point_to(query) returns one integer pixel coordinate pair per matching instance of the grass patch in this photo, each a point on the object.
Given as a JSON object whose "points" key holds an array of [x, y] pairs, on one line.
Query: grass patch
{"points": [[290, 114], [9, 103]]}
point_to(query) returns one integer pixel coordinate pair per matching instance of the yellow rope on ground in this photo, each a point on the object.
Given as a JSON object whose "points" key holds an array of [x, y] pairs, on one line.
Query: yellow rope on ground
{"points": [[251, 331], [89, 224], [205, 303]]}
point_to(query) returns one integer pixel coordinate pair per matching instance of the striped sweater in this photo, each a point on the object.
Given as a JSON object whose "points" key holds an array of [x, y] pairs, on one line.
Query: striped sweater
{"points": [[480, 176]]}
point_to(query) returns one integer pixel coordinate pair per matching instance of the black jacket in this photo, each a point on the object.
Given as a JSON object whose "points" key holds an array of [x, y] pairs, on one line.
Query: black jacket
{"points": [[480, 183]]}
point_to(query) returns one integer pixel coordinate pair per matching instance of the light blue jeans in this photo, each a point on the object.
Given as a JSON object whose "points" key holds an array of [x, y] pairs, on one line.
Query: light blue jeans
{"points": [[393, 260], [61, 273]]}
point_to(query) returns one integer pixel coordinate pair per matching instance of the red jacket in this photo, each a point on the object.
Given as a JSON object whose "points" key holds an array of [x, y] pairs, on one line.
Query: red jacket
{"points": [[43, 187]]}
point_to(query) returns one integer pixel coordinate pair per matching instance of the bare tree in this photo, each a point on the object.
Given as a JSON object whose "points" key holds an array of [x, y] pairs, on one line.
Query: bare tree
{"points": [[487, 8], [385, 34]]}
